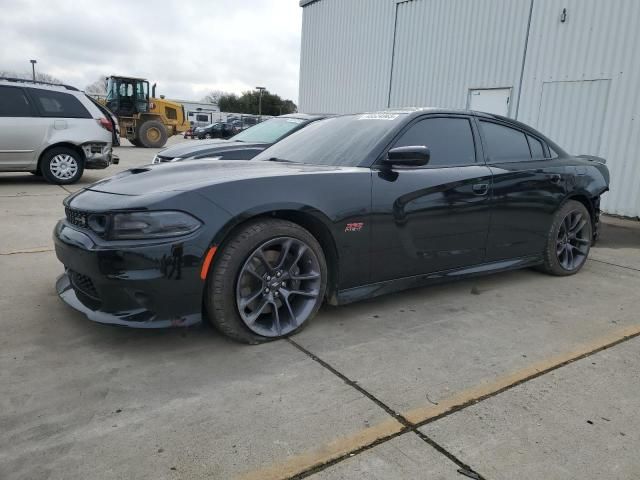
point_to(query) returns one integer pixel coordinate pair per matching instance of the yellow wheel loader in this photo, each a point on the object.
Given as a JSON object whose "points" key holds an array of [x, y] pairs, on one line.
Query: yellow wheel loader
{"points": [[146, 121]]}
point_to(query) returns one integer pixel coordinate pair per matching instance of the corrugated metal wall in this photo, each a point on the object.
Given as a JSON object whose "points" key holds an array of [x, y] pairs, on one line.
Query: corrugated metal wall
{"points": [[445, 47], [579, 84], [599, 40], [346, 55]]}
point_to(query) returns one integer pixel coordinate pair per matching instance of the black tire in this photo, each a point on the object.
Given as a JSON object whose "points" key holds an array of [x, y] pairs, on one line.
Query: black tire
{"points": [[61, 166], [37, 173], [152, 134], [224, 281], [135, 142], [563, 238]]}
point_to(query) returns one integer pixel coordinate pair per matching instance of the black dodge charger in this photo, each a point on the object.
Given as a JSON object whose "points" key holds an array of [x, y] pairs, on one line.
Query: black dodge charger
{"points": [[347, 208]]}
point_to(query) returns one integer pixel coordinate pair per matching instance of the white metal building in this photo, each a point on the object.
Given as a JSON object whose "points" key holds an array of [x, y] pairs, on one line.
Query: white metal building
{"points": [[570, 68]]}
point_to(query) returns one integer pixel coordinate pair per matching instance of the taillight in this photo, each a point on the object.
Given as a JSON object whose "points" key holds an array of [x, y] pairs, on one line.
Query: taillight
{"points": [[105, 123]]}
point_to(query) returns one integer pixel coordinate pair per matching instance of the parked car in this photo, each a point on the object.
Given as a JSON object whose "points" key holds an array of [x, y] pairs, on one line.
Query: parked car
{"points": [[214, 130], [53, 130], [243, 146], [347, 208]]}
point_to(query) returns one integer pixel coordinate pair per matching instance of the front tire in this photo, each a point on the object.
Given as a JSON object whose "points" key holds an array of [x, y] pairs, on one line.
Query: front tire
{"points": [[569, 240], [152, 134], [267, 282], [61, 166]]}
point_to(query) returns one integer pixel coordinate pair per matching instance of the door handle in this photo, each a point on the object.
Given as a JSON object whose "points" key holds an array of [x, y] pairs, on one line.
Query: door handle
{"points": [[480, 188]]}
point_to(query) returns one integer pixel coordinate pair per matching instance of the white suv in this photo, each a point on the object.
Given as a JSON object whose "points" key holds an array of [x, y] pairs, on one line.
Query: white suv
{"points": [[53, 130]]}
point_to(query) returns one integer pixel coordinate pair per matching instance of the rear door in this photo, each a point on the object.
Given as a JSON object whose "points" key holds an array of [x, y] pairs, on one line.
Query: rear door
{"points": [[528, 187], [436, 217], [22, 131]]}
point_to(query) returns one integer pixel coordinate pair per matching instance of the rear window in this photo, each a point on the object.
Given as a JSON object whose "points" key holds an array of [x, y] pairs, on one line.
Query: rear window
{"points": [[14, 102], [505, 144], [58, 104]]}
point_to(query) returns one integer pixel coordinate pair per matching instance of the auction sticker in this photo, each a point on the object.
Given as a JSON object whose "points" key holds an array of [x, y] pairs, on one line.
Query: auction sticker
{"points": [[378, 116]]}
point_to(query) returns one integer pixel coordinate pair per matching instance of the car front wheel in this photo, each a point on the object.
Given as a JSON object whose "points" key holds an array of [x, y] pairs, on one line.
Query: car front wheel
{"points": [[267, 282], [62, 166], [569, 240]]}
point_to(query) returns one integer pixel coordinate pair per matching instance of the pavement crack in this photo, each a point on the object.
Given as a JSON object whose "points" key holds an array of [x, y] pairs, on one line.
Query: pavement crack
{"points": [[30, 250], [615, 265], [65, 189], [407, 425]]}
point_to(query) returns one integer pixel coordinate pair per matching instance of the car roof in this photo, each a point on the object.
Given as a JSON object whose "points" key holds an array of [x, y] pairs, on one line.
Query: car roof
{"points": [[305, 116], [23, 82]]}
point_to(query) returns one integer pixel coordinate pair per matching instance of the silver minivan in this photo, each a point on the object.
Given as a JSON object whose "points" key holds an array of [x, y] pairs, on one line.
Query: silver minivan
{"points": [[53, 130]]}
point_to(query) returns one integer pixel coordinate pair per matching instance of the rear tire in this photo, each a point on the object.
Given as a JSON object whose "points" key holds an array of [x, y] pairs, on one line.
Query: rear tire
{"points": [[152, 134], [61, 166], [236, 298], [569, 240]]}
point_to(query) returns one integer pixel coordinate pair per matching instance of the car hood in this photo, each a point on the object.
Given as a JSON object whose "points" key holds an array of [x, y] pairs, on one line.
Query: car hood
{"points": [[196, 174], [189, 149]]}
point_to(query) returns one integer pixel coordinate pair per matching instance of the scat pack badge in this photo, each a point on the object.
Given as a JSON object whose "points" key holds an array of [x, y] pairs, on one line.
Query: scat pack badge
{"points": [[354, 227]]}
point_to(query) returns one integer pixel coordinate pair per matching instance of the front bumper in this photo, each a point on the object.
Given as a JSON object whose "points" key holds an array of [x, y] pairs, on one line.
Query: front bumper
{"points": [[138, 285]]}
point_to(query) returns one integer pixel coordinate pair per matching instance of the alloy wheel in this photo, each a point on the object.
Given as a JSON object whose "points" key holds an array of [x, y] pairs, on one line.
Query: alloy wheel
{"points": [[573, 242], [63, 166], [278, 287]]}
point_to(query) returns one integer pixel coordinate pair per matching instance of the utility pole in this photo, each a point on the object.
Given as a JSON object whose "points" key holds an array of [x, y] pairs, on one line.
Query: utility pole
{"points": [[33, 69], [260, 89]]}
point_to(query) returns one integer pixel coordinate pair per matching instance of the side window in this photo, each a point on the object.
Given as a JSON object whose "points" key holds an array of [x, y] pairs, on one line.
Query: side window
{"points": [[202, 118], [537, 150], [450, 140], [505, 144], [58, 104], [171, 113], [14, 103]]}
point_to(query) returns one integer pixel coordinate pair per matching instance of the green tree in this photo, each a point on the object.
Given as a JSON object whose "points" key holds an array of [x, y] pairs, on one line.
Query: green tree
{"points": [[248, 103]]}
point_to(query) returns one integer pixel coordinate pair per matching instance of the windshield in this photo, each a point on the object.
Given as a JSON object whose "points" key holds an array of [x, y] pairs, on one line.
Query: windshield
{"points": [[269, 131], [344, 141]]}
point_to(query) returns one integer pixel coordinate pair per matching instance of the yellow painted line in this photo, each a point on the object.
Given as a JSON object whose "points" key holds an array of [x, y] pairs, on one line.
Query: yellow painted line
{"points": [[473, 394], [335, 449], [344, 445], [28, 250]]}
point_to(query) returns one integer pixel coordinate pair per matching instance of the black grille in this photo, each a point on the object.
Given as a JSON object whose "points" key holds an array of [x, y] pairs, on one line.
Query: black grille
{"points": [[83, 284], [77, 218]]}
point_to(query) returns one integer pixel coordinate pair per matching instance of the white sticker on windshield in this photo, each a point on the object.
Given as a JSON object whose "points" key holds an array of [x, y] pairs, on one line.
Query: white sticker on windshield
{"points": [[378, 116], [294, 120]]}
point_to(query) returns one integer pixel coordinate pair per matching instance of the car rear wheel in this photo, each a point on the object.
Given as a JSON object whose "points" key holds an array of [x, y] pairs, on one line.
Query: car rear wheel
{"points": [[267, 282], [62, 166], [569, 240]]}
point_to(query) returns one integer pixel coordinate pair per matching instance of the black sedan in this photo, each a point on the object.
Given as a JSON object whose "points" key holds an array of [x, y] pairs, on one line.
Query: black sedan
{"points": [[348, 208], [214, 130], [243, 146]]}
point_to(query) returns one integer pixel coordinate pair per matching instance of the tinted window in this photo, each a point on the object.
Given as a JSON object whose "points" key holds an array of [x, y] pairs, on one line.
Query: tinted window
{"points": [[504, 143], [58, 104], [202, 118], [450, 140], [14, 102], [270, 131], [347, 140], [537, 151]]}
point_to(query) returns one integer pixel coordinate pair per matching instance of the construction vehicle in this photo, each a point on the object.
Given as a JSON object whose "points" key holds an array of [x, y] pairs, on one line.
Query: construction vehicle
{"points": [[146, 121]]}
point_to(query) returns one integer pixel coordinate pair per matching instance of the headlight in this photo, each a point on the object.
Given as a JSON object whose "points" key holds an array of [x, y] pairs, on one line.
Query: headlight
{"points": [[140, 225]]}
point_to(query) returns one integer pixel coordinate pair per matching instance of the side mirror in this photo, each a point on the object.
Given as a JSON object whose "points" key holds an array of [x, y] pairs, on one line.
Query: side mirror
{"points": [[411, 156]]}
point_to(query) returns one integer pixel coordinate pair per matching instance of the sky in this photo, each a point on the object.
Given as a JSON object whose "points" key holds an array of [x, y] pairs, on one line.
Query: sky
{"points": [[187, 47]]}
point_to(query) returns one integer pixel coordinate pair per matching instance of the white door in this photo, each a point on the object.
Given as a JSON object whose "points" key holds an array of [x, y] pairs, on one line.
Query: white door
{"points": [[490, 100]]}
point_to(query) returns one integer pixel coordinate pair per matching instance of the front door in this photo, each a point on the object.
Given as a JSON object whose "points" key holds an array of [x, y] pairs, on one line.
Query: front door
{"points": [[432, 218]]}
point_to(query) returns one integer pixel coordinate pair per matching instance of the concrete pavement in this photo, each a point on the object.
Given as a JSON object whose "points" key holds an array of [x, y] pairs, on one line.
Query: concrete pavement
{"points": [[499, 374]]}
